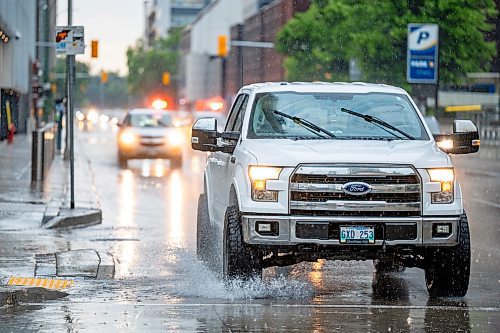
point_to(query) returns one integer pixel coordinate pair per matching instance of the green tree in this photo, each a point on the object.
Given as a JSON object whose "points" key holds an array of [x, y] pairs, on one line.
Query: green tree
{"points": [[319, 43], [146, 65], [81, 81], [112, 94]]}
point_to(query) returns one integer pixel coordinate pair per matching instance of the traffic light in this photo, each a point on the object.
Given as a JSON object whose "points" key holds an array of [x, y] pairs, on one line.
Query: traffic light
{"points": [[165, 78], [222, 46], [104, 76], [94, 48]]}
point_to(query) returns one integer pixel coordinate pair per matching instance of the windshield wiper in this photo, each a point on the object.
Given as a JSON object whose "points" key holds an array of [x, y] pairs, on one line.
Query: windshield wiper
{"points": [[377, 121], [306, 124]]}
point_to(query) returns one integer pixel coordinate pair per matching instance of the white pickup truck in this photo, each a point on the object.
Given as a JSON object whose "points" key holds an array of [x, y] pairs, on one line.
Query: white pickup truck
{"points": [[336, 171]]}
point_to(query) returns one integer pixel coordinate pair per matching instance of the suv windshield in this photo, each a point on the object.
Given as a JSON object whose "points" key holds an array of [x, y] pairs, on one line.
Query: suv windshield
{"points": [[275, 115], [150, 120]]}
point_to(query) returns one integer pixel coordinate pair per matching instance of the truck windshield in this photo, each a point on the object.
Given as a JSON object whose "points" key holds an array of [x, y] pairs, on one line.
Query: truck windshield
{"points": [[327, 111]]}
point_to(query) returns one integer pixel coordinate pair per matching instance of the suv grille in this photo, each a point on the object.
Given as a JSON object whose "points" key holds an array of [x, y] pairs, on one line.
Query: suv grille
{"points": [[318, 190]]}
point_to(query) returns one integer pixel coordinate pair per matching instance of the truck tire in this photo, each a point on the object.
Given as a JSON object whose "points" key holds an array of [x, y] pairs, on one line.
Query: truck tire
{"points": [[203, 231], [447, 270], [382, 266], [239, 259]]}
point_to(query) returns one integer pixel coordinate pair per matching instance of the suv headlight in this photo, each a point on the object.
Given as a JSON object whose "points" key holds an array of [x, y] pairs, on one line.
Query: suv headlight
{"points": [[128, 138], [259, 175], [446, 177]]}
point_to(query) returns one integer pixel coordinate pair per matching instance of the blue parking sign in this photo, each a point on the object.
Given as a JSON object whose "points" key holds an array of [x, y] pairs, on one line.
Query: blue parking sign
{"points": [[422, 53]]}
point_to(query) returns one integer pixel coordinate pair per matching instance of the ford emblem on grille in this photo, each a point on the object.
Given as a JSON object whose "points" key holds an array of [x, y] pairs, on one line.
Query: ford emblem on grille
{"points": [[356, 188]]}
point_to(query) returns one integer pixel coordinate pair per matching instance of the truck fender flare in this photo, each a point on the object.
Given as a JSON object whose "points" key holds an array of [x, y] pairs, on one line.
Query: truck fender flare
{"points": [[234, 197]]}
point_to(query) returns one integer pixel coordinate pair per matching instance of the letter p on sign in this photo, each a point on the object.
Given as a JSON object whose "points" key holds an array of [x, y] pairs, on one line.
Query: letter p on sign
{"points": [[422, 36]]}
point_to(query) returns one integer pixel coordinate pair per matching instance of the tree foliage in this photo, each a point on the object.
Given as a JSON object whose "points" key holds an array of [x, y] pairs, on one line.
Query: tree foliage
{"points": [[89, 90], [112, 94], [146, 65], [319, 43], [81, 82]]}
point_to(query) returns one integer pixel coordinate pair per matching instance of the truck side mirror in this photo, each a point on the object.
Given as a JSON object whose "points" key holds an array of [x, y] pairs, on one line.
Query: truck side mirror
{"points": [[464, 140], [204, 135]]}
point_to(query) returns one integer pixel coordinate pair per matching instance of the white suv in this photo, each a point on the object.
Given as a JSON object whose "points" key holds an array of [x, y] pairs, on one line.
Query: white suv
{"points": [[342, 171]]}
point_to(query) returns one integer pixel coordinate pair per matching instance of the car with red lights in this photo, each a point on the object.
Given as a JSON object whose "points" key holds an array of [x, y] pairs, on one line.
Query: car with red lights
{"points": [[149, 133]]}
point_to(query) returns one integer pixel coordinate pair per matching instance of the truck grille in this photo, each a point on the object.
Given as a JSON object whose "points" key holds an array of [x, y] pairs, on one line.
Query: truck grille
{"points": [[317, 190]]}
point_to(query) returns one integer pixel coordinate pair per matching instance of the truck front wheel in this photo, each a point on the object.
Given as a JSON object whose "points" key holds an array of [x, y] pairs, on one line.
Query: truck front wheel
{"points": [[447, 270], [240, 260]]}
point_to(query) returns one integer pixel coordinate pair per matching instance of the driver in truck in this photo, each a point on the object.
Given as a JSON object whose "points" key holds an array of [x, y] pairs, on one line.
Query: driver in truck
{"points": [[335, 171]]}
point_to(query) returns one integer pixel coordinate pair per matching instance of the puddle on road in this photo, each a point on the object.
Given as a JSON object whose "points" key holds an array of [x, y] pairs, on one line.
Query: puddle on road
{"points": [[180, 276], [201, 282]]}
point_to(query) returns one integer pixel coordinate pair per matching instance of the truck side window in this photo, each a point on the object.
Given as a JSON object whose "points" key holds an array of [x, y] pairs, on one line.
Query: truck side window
{"points": [[235, 114], [239, 119]]}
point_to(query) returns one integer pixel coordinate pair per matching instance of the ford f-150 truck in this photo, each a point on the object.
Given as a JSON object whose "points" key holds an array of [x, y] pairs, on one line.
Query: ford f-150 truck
{"points": [[335, 171]]}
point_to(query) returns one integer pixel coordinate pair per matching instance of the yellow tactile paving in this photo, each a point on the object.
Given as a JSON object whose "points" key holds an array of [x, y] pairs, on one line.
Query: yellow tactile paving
{"points": [[38, 282]]}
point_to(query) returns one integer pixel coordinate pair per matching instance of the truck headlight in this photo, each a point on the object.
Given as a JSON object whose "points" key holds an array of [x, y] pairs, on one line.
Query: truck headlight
{"points": [[259, 175], [446, 177]]}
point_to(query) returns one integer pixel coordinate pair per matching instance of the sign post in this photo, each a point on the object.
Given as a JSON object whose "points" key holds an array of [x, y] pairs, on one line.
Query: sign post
{"points": [[70, 41], [422, 55]]}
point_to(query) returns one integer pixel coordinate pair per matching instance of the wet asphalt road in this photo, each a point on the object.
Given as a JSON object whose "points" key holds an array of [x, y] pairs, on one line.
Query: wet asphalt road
{"points": [[149, 225]]}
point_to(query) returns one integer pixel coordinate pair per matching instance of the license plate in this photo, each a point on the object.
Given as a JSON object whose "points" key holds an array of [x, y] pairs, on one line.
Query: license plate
{"points": [[357, 234]]}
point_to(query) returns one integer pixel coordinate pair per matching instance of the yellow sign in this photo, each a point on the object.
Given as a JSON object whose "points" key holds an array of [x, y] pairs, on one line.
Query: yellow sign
{"points": [[462, 108], [9, 116]]}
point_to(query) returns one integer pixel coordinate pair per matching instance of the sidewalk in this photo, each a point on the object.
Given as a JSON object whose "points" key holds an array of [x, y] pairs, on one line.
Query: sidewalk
{"points": [[20, 200], [27, 213]]}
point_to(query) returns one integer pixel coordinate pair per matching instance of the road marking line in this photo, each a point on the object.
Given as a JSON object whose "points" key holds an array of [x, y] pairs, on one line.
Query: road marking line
{"points": [[38, 282], [485, 202], [312, 306]]}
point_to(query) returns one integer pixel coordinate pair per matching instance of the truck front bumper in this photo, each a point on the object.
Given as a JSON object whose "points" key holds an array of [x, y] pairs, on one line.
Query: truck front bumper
{"points": [[282, 230]]}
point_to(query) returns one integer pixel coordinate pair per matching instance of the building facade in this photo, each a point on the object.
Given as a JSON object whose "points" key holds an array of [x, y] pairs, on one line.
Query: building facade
{"points": [[163, 15], [201, 68], [17, 54]]}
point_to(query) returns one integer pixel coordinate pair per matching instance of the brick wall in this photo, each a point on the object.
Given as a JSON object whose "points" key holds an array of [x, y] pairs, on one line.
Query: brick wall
{"points": [[260, 64]]}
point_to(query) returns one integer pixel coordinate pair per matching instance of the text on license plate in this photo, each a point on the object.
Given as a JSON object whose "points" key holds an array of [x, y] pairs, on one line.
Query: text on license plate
{"points": [[357, 234]]}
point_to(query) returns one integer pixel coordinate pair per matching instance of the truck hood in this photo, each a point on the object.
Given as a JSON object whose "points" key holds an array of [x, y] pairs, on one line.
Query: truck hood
{"points": [[420, 154]]}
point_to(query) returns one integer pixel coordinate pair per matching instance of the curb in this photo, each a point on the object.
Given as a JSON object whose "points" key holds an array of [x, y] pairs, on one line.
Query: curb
{"points": [[78, 217], [15, 295], [83, 263]]}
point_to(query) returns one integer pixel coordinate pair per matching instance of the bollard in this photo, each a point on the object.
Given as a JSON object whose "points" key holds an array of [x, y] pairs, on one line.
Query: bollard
{"points": [[37, 155], [42, 152]]}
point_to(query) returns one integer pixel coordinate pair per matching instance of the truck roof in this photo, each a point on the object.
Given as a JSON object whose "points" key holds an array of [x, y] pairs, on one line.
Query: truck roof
{"points": [[353, 87]]}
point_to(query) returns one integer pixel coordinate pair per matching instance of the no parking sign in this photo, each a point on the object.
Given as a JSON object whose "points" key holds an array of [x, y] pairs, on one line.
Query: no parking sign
{"points": [[422, 54]]}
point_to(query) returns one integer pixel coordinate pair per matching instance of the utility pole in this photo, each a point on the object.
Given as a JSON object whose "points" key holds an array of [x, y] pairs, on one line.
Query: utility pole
{"points": [[70, 69]]}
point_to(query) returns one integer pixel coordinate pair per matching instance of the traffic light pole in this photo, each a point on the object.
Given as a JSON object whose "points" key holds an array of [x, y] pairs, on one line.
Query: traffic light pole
{"points": [[70, 68]]}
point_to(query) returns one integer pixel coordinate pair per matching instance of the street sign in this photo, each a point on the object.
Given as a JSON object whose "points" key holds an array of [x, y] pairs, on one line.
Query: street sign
{"points": [[422, 53], [69, 40]]}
